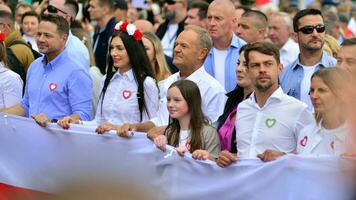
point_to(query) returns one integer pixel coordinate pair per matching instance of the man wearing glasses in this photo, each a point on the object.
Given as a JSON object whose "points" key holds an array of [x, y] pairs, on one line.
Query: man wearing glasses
{"points": [[68, 9], [309, 33]]}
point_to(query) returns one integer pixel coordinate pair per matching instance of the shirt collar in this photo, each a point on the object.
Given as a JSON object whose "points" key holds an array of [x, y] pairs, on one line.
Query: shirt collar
{"points": [[323, 62], [287, 45], [196, 75], [236, 42], [129, 74], [56, 61], [278, 94]]}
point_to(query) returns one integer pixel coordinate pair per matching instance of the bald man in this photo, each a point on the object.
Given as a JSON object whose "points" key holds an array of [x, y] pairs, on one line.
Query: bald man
{"points": [[222, 58]]}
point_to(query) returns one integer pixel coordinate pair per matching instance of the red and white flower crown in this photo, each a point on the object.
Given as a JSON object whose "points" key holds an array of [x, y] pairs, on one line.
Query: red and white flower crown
{"points": [[130, 29]]}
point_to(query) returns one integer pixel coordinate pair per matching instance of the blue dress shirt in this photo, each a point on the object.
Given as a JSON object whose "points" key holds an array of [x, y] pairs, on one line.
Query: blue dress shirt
{"points": [[58, 88], [293, 74], [230, 62]]}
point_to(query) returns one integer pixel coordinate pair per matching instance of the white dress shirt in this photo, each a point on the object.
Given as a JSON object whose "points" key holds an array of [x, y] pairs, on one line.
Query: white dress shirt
{"points": [[120, 103], [275, 126], [10, 87], [289, 52], [31, 40], [211, 91], [315, 139]]}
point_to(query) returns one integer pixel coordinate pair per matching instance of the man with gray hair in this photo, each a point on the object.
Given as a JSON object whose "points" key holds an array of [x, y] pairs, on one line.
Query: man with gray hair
{"points": [[280, 29], [191, 48]]}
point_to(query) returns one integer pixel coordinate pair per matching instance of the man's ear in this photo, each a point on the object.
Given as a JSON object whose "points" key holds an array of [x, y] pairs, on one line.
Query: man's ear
{"points": [[294, 36], [203, 53]]}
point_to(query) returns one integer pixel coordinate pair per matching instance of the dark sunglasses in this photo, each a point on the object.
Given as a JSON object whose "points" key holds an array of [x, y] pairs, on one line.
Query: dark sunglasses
{"points": [[171, 2], [52, 9], [310, 29]]}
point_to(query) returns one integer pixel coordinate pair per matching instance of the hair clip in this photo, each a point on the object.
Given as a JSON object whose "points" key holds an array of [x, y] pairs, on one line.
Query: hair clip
{"points": [[130, 29]]}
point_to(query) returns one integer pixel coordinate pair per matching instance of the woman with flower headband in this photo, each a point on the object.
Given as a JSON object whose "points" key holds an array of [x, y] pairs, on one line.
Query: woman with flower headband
{"points": [[10, 82], [129, 91]]}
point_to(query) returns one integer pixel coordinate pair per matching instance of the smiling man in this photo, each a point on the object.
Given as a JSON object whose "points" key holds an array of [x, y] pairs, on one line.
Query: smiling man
{"points": [[56, 85], [309, 32]]}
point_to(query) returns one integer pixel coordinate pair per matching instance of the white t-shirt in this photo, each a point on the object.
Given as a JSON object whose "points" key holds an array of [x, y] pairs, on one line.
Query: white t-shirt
{"points": [[169, 38], [305, 85], [10, 87], [219, 65], [183, 137], [275, 126]]}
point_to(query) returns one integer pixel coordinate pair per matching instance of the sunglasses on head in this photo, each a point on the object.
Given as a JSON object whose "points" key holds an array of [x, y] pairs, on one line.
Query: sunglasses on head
{"points": [[310, 29], [54, 10]]}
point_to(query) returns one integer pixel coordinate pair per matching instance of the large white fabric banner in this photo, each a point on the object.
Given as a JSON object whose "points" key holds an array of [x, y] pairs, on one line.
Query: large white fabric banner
{"points": [[46, 158]]}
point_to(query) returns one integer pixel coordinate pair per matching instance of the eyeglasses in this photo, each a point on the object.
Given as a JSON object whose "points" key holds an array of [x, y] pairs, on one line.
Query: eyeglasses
{"points": [[52, 9], [310, 29]]}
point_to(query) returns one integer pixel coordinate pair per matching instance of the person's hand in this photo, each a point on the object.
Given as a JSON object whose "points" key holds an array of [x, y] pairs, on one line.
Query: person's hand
{"points": [[155, 131], [125, 130], [161, 142], [226, 158], [41, 119], [181, 150], [201, 155], [42, 6], [270, 155], [64, 122], [105, 127]]}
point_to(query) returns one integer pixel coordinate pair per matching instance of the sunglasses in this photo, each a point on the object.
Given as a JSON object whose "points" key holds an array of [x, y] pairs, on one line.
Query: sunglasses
{"points": [[52, 9], [171, 2], [310, 29]]}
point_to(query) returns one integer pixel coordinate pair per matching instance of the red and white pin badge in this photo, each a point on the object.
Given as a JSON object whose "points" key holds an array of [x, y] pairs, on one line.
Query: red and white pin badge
{"points": [[126, 94], [304, 141], [52, 86]]}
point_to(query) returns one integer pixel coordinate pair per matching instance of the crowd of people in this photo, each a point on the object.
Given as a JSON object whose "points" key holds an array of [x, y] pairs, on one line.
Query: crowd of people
{"points": [[218, 79]]}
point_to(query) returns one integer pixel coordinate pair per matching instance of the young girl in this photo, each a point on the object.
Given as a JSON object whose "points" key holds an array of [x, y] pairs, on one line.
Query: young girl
{"points": [[188, 129], [327, 134], [129, 91], [10, 82]]}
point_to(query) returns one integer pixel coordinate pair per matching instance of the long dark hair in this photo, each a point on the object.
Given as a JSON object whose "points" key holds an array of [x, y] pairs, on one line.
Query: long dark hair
{"points": [[140, 64], [191, 95]]}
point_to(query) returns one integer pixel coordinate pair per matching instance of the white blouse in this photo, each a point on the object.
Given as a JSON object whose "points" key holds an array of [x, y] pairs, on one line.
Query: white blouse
{"points": [[10, 87], [120, 103]]}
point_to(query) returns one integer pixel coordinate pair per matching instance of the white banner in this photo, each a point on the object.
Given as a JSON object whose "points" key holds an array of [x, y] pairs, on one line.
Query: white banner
{"points": [[48, 158]]}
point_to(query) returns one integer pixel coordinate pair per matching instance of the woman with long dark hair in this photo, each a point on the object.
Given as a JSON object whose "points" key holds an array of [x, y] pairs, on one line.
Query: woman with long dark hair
{"points": [[129, 91]]}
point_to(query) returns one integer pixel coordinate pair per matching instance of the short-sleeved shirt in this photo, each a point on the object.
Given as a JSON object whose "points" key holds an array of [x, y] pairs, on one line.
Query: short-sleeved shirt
{"points": [[275, 126], [58, 88]]}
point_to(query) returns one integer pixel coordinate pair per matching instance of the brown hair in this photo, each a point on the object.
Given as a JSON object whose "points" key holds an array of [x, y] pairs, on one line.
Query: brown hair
{"points": [[191, 94], [3, 55], [266, 48]]}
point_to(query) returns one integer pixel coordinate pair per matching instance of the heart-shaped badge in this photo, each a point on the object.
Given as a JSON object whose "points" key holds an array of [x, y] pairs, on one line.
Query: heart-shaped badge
{"points": [[270, 122], [126, 94], [304, 141], [52, 86]]}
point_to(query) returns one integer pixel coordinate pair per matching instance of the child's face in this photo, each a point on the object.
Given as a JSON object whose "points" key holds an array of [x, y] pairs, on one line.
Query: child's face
{"points": [[176, 104]]}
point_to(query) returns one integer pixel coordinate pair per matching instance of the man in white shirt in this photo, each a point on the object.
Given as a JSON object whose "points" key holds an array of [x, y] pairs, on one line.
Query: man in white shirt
{"points": [[279, 32], [191, 48], [268, 123]]}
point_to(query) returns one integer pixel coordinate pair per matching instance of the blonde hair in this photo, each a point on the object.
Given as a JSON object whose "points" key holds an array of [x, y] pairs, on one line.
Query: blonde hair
{"points": [[160, 67], [331, 45]]}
